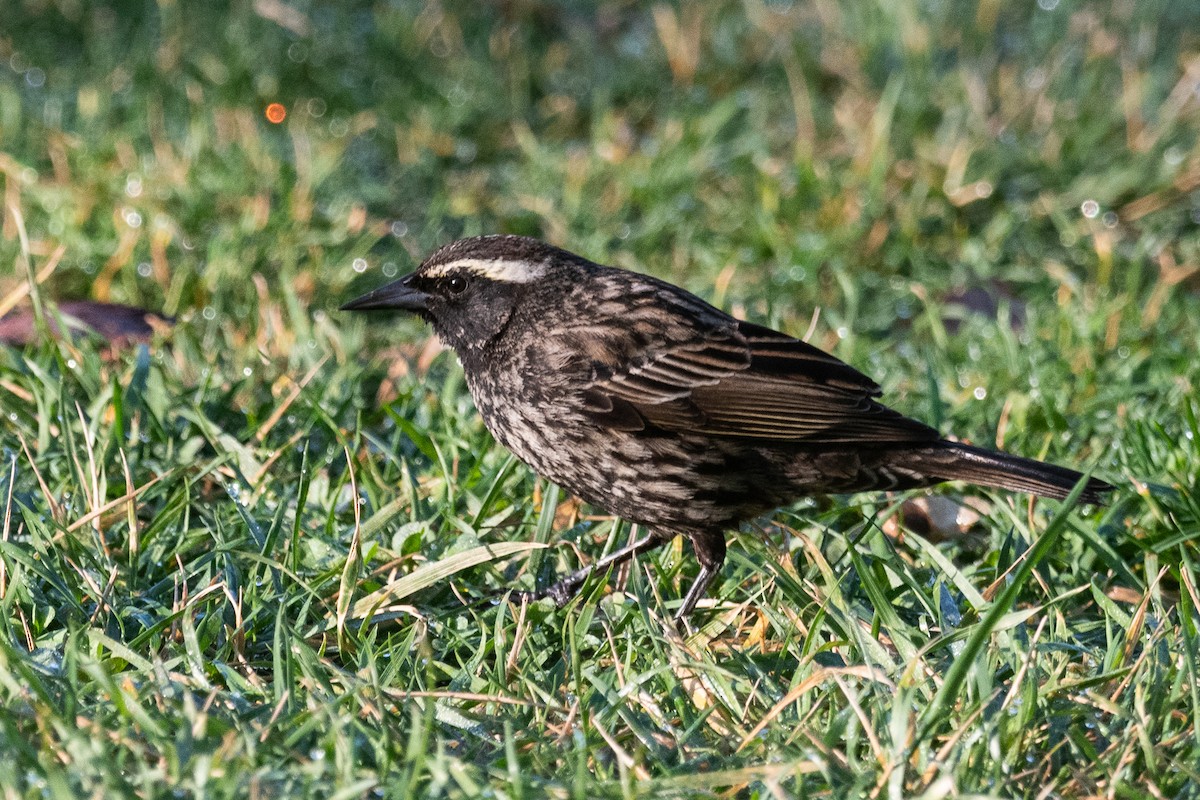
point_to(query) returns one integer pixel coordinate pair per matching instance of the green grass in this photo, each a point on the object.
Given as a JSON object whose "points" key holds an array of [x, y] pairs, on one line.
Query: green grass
{"points": [[244, 560]]}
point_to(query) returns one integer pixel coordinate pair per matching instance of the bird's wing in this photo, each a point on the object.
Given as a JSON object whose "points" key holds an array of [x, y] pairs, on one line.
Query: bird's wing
{"points": [[749, 382]]}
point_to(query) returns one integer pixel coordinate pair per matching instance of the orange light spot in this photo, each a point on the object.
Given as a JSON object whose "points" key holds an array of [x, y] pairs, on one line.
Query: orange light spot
{"points": [[276, 113]]}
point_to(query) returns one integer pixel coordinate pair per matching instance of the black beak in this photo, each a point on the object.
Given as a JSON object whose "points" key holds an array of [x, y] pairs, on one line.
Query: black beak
{"points": [[399, 295]]}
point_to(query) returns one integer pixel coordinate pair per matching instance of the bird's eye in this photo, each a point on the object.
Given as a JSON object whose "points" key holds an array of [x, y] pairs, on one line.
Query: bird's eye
{"points": [[456, 284]]}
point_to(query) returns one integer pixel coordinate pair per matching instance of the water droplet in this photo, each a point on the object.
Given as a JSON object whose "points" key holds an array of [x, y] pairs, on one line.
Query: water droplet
{"points": [[133, 186], [144, 269], [35, 77], [843, 332], [209, 312], [1047, 5], [133, 219], [466, 151], [399, 228], [980, 393], [389, 269], [360, 265], [1090, 208], [248, 371], [72, 363]]}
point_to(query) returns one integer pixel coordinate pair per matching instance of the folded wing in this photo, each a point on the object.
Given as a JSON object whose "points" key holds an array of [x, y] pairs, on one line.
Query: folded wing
{"points": [[751, 382]]}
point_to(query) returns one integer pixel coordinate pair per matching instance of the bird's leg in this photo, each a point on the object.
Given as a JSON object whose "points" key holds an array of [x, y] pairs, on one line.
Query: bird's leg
{"points": [[563, 590], [710, 552]]}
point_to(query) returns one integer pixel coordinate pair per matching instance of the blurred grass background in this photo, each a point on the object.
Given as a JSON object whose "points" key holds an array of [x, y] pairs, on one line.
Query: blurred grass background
{"points": [[995, 207]]}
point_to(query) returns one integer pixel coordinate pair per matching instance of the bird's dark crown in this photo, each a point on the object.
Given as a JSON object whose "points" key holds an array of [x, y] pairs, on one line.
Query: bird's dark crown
{"points": [[500, 258]]}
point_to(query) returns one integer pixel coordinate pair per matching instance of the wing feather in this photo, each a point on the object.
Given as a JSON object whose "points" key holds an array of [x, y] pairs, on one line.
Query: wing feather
{"points": [[749, 382]]}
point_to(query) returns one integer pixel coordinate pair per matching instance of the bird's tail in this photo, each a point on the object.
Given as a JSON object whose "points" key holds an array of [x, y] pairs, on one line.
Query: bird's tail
{"points": [[953, 461]]}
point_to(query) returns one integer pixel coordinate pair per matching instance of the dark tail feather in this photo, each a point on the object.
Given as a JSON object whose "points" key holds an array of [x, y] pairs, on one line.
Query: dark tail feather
{"points": [[953, 461]]}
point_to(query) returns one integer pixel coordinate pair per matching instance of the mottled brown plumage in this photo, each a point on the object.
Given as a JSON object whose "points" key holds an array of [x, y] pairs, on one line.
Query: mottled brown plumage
{"points": [[643, 399]]}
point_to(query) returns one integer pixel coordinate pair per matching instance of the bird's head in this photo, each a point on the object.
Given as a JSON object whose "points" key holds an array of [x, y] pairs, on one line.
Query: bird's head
{"points": [[470, 289]]}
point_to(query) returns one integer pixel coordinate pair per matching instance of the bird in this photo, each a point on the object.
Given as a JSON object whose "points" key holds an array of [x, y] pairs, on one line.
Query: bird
{"points": [[642, 399]]}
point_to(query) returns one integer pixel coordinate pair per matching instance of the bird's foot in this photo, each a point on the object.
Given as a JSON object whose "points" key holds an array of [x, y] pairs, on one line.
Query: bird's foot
{"points": [[561, 591]]}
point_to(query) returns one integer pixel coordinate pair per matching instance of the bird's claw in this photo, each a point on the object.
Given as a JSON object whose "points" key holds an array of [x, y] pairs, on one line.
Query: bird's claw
{"points": [[561, 592]]}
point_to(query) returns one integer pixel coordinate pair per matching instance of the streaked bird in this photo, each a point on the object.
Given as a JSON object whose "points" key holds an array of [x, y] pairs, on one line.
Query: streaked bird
{"points": [[640, 398]]}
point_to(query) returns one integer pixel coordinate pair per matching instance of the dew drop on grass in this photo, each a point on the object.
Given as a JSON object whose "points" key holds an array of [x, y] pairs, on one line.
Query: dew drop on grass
{"points": [[72, 364], [209, 312], [144, 269], [359, 265], [133, 219], [248, 371], [1090, 208], [979, 393]]}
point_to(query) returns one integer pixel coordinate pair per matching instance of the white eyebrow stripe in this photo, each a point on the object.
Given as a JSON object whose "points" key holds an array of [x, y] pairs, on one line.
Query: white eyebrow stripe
{"points": [[499, 269]]}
